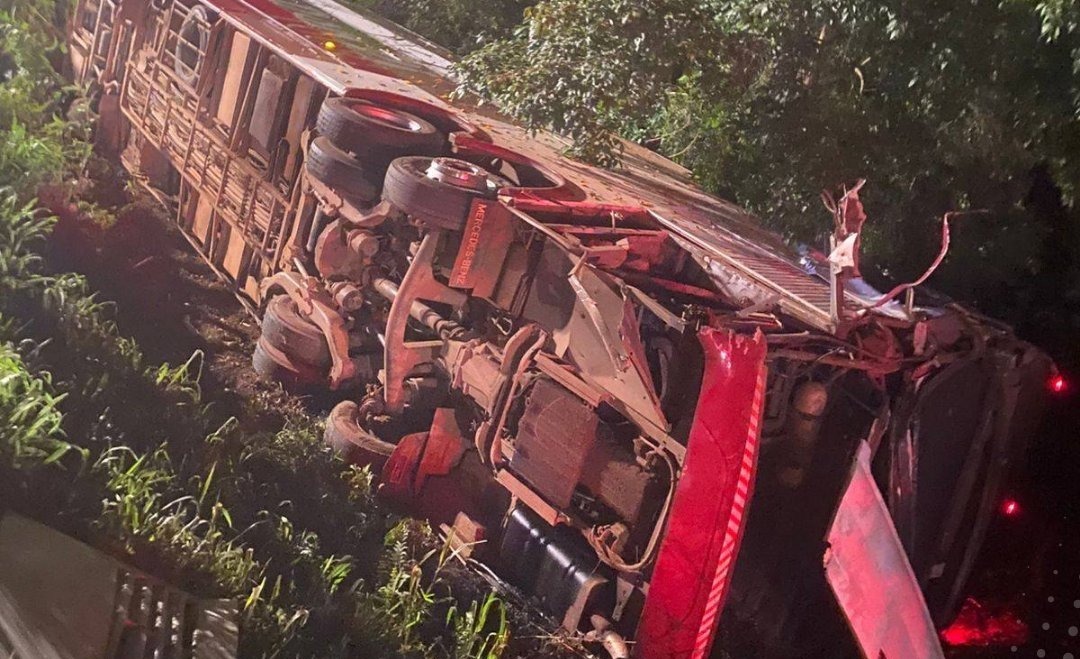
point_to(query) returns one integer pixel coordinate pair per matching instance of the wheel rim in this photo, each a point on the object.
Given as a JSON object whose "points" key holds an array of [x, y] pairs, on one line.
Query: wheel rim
{"points": [[458, 173]]}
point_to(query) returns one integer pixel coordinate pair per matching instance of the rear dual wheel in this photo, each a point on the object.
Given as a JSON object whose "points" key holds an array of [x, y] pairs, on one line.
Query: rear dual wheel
{"points": [[438, 191], [358, 139], [296, 376], [292, 349], [376, 133], [340, 171], [285, 329]]}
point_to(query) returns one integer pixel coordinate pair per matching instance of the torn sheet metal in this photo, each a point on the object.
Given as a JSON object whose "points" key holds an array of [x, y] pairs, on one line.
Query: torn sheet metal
{"points": [[869, 574]]}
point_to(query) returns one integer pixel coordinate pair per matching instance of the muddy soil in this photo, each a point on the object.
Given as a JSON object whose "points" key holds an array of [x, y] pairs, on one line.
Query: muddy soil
{"points": [[168, 300]]}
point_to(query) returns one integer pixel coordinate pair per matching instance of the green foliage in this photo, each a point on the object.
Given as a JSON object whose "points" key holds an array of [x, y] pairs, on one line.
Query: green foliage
{"points": [[28, 159], [28, 39], [481, 632], [191, 504], [405, 598], [22, 229], [37, 145], [147, 507], [1061, 21], [460, 25], [591, 68], [414, 586], [31, 433]]}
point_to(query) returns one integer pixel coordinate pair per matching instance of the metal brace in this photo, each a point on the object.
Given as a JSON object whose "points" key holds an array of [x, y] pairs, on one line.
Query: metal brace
{"points": [[316, 303]]}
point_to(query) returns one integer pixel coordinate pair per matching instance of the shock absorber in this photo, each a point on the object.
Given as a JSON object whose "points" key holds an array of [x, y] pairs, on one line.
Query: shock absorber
{"points": [[422, 313]]}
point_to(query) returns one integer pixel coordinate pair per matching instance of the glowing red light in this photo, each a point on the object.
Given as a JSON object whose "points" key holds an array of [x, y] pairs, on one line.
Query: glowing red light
{"points": [[1058, 384], [981, 626], [1010, 508]]}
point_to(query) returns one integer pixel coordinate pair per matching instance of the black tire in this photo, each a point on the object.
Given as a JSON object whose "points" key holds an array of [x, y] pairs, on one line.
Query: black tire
{"points": [[340, 171], [300, 339], [375, 133], [437, 204], [354, 444], [271, 364]]}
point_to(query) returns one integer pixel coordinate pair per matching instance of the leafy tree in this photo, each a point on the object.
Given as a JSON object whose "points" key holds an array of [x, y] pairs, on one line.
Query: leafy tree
{"points": [[36, 143], [941, 106], [460, 25], [593, 68]]}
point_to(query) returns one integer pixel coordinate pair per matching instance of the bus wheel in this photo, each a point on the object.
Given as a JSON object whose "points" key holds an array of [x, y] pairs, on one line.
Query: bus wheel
{"points": [[354, 444], [285, 329], [375, 133], [340, 171], [437, 191], [273, 364]]}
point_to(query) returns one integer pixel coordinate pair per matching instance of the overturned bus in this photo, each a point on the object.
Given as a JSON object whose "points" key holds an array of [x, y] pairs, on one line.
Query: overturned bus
{"points": [[653, 413]]}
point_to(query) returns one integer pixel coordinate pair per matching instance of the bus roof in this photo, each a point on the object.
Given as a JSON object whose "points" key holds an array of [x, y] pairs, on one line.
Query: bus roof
{"points": [[369, 53]]}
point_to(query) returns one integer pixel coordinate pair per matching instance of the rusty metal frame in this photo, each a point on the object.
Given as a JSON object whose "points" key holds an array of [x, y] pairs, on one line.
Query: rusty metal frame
{"points": [[269, 214], [169, 114], [401, 355]]}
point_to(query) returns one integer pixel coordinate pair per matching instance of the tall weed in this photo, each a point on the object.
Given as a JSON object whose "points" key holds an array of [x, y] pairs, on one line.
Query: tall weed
{"points": [[31, 433]]}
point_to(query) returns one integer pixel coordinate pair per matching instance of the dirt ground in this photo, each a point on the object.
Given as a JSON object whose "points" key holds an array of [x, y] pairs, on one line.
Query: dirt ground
{"points": [[168, 300]]}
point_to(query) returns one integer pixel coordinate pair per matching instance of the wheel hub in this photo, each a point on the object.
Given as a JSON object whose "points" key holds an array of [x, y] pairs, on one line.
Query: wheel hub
{"points": [[458, 173]]}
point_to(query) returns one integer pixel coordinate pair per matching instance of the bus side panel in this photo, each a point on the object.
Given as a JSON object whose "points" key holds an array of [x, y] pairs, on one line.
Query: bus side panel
{"points": [[693, 570], [234, 141]]}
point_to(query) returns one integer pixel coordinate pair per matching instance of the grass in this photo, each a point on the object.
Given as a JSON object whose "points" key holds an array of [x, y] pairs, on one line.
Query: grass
{"points": [[30, 417], [133, 457]]}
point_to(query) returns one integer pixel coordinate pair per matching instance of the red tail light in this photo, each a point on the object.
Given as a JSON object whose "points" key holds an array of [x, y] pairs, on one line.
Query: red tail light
{"points": [[1010, 508], [1057, 383]]}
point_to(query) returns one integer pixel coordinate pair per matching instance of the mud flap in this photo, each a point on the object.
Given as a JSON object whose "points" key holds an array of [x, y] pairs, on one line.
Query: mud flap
{"points": [[693, 570], [426, 476], [870, 575]]}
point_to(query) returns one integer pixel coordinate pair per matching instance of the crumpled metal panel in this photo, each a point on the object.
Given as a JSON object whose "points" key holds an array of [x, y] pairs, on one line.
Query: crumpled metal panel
{"points": [[694, 566], [869, 573]]}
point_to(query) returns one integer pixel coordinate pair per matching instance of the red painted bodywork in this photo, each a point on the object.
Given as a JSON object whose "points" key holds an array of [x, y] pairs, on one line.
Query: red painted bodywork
{"points": [[487, 236], [693, 569], [416, 474], [870, 576], [692, 573]]}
